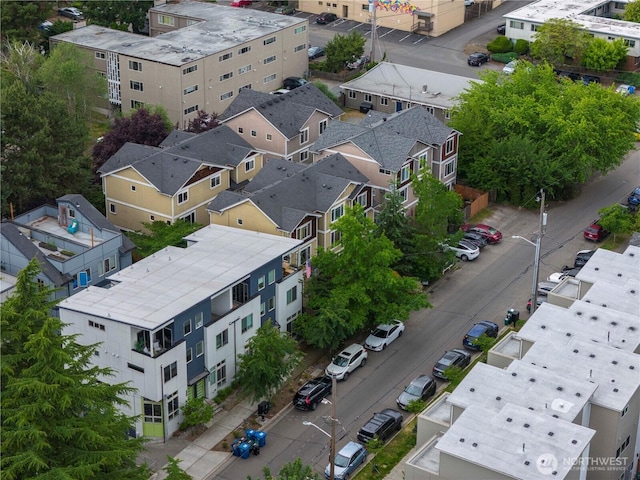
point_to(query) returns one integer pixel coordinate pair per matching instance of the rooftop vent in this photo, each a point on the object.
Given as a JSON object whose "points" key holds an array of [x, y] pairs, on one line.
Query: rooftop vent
{"points": [[424, 88]]}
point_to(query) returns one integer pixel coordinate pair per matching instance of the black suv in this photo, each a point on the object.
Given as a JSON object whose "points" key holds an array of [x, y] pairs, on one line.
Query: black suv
{"points": [[326, 18], [382, 425], [478, 58], [294, 82], [312, 393]]}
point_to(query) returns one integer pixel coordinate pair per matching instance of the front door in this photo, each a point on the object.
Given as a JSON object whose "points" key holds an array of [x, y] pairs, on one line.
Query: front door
{"points": [[398, 105]]}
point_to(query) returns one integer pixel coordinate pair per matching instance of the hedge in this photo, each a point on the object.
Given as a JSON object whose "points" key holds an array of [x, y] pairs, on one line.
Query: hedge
{"points": [[504, 57]]}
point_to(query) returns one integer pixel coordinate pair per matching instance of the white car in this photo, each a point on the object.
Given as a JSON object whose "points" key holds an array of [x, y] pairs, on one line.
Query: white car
{"points": [[280, 91], [465, 250], [510, 67], [347, 361], [383, 335]]}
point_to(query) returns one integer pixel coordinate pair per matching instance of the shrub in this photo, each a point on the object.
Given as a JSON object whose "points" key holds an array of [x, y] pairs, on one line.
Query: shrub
{"points": [[521, 47], [504, 57], [196, 412], [500, 45], [629, 78]]}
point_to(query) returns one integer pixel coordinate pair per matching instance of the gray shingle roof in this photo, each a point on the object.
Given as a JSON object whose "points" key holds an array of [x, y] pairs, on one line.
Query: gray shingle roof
{"points": [[287, 199], [176, 137], [128, 154], [220, 145], [287, 112]]}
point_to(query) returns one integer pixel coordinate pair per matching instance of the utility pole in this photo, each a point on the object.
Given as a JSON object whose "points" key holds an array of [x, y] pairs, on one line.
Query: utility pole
{"points": [[374, 5], [536, 261], [332, 467]]}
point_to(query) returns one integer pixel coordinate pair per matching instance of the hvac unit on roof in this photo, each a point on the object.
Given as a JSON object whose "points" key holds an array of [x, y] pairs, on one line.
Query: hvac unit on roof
{"points": [[424, 88]]}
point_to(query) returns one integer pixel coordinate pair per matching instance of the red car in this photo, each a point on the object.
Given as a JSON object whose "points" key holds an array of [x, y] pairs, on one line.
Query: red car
{"points": [[489, 233], [241, 3], [595, 232]]}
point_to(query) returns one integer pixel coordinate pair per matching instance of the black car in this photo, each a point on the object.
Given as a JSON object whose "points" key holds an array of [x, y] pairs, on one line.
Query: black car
{"points": [[381, 426], [312, 393], [570, 271], [451, 358], [484, 327], [582, 257], [326, 18], [294, 82], [475, 238], [478, 58], [587, 79], [573, 76], [502, 29]]}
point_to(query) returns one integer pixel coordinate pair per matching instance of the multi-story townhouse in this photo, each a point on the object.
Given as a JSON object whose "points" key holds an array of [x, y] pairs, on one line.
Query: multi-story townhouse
{"points": [[199, 56], [388, 149], [173, 324], [391, 87], [282, 125], [296, 201], [147, 184], [599, 18], [74, 243]]}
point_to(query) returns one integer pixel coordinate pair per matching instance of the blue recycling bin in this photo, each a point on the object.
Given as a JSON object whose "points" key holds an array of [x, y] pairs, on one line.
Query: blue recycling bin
{"points": [[245, 450], [235, 448], [261, 438], [250, 433]]}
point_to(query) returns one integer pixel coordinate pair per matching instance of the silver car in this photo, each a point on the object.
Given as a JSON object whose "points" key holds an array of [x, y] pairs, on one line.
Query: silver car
{"points": [[383, 335], [347, 361]]}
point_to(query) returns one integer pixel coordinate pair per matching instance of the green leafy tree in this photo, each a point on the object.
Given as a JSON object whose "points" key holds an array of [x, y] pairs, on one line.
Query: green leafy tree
{"points": [[174, 472], [196, 413], [343, 49], [397, 227], [59, 418], [602, 55], [558, 39], [21, 61], [454, 374], [484, 343], [270, 357], [295, 470], [162, 235], [117, 14], [632, 12], [20, 19], [616, 219], [325, 89], [416, 406]]}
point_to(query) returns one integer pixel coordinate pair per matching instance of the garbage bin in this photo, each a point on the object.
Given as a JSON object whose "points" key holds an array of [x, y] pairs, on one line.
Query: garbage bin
{"points": [[261, 438], [250, 434], [365, 107], [235, 448], [245, 450], [263, 408], [512, 317]]}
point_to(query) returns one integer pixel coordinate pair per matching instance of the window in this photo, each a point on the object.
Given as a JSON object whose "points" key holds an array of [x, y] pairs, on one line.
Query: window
{"points": [[189, 355], [226, 95], [190, 69], [449, 168], [515, 24], [245, 69], [353, 94], [362, 199], [226, 76], [299, 48], [624, 411], [270, 78], [405, 172], [337, 212], [251, 163], [272, 303], [170, 371], [82, 279], [629, 43], [304, 231], [367, 97], [403, 194], [199, 321], [240, 130], [384, 171], [270, 59], [292, 295], [112, 207], [183, 197], [269, 40], [224, 57], [222, 338], [216, 180], [263, 309], [133, 65], [269, 137], [384, 101], [300, 29], [335, 237], [100, 55], [261, 283], [304, 156], [239, 221], [304, 136], [107, 265], [189, 90], [102, 74], [165, 19], [430, 110], [97, 325], [534, 28], [189, 217], [322, 126], [246, 49], [450, 145], [132, 366], [365, 7], [199, 348], [136, 86], [133, 188], [152, 218], [447, 114], [191, 109], [247, 322], [221, 373], [136, 104], [152, 412], [622, 447], [254, 133], [186, 327], [247, 86], [271, 277], [173, 407]]}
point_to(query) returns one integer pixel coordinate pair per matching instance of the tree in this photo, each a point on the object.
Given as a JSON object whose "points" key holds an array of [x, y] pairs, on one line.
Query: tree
{"points": [[118, 15], [602, 55], [20, 19], [174, 472], [270, 357], [295, 470], [343, 49], [60, 419], [162, 235], [204, 121], [558, 39], [531, 132], [21, 60], [616, 219], [142, 127], [396, 226], [325, 89], [632, 12], [355, 285], [196, 412]]}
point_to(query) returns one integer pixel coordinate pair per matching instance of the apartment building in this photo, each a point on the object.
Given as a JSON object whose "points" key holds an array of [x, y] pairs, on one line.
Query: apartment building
{"points": [[199, 56], [174, 323]]}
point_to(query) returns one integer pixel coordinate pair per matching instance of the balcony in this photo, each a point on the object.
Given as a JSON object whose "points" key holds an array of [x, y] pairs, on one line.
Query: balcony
{"points": [[162, 341]]}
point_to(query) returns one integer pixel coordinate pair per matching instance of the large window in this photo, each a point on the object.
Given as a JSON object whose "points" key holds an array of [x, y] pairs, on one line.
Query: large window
{"points": [[269, 59], [133, 65], [322, 126], [191, 109], [247, 322], [261, 282], [183, 197], [449, 168], [199, 322], [270, 78], [245, 69], [292, 295], [199, 348], [246, 49], [516, 24], [224, 57], [152, 412], [221, 373], [270, 40], [138, 86], [170, 371], [222, 338], [188, 90], [272, 303], [450, 145], [189, 355], [216, 180], [226, 76], [226, 95], [304, 231], [250, 164], [337, 212], [186, 327], [405, 173], [300, 29], [271, 278], [166, 20], [190, 69], [106, 265], [173, 406]]}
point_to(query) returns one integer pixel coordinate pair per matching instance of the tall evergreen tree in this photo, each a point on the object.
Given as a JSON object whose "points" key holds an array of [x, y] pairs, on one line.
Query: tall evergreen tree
{"points": [[59, 420]]}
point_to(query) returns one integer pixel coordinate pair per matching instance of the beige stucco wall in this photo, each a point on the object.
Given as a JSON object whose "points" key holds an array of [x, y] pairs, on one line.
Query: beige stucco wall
{"points": [[252, 219], [240, 173]]}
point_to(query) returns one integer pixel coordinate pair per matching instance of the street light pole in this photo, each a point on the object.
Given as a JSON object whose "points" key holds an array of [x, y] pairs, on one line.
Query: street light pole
{"points": [[536, 262], [333, 429]]}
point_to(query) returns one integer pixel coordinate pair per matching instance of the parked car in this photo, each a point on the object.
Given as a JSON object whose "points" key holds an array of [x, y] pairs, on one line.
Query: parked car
{"points": [[71, 12], [294, 82], [475, 238], [489, 233], [582, 257], [510, 67], [634, 197], [420, 388], [569, 271], [468, 3], [312, 393], [45, 26], [327, 17], [358, 63], [545, 287], [241, 3], [573, 76], [587, 79], [381, 426], [626, 90], [315, 52], [280, 91], [478, 58], [451, 358], [484, 327], [502, 29], [285, 10], [347, 461], [556, 277], [383, 335], [595, 232], [465, 250], [347, 361]]}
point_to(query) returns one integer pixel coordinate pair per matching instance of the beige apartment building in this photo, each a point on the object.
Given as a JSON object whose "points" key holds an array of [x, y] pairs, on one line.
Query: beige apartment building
{"points": [[198, 57]]}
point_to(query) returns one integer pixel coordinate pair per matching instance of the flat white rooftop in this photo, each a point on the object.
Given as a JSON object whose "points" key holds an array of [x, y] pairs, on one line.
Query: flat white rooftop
{"points": [[440, 410], [156, 289], [514, 440]]}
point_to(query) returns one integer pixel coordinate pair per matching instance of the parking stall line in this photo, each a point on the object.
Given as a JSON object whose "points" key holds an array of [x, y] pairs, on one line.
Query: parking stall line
{"points": [[385, 34], [405, 37], [419, 40]]}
